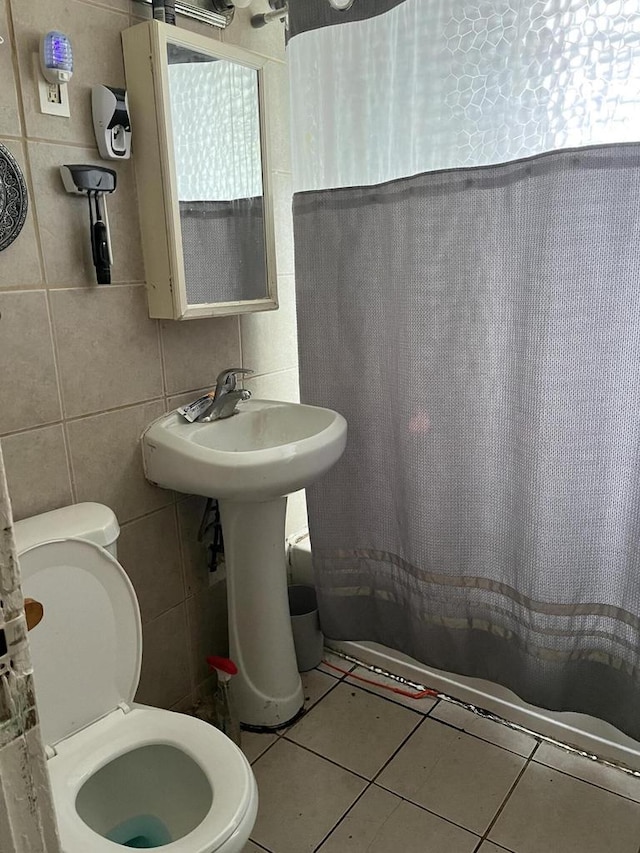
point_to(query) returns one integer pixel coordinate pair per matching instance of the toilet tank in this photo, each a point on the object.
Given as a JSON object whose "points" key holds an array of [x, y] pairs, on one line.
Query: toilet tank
{"points": [[91, 521]]}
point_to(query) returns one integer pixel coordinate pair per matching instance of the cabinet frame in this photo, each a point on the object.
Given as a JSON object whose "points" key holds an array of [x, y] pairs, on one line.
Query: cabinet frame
{"points": [[146, 67]]}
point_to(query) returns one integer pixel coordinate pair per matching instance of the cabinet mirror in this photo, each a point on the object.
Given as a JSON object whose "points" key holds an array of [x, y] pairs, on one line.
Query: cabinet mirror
{"points": [[202, 170]]}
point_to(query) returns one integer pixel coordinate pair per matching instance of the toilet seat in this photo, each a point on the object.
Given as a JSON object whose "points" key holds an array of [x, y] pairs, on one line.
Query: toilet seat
{"points": [[87, 650], [227, 770], [86, 654]]}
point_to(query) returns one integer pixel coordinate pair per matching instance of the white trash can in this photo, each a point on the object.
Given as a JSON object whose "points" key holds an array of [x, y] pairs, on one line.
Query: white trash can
{"points": [[305, 625]]}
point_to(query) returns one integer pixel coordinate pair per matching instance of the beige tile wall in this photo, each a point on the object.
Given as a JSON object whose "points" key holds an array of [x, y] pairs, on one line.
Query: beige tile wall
{"points": [[83, 369]]}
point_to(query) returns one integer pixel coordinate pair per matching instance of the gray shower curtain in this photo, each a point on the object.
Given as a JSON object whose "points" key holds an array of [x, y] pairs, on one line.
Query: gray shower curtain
{"points": [[479, 327]]}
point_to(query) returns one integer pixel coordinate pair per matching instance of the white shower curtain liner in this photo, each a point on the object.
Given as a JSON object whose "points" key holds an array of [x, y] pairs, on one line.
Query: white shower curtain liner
{"points": [[440, 84], [467, 265]]}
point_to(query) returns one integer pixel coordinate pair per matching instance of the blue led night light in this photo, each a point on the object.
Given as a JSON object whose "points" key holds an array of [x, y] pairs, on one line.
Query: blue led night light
{"points": [[57, 57]]}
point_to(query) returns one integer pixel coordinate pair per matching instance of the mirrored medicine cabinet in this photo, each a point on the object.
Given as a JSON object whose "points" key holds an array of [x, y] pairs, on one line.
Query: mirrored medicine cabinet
{"points": [[201, 156]]}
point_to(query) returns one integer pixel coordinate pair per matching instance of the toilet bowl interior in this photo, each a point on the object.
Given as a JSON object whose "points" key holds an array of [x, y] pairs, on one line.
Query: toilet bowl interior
{"points": [[146, 798]]}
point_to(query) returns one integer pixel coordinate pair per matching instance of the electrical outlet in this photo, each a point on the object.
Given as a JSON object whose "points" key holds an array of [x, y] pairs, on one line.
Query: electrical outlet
{"points": [[53, 93], [54, 97]]}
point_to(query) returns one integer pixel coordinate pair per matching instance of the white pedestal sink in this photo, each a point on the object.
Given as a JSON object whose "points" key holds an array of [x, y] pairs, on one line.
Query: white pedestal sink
{"points": [[250, 462]]}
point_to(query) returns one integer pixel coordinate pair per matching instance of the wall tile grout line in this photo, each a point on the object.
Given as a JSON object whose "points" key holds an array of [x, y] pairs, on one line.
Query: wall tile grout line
{"points": [[163, 365], [121, 408], [56, 356], [105, 5], [12, 432], [18, 289], [57, 143], [62, 287], [87, 450], [32, 205], [76, 418], [16, 70], [70, 469], [192, 674], [144, 515]]}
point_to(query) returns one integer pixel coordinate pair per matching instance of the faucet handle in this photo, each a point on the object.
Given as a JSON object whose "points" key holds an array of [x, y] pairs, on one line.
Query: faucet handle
{"points": [[227, 379]]}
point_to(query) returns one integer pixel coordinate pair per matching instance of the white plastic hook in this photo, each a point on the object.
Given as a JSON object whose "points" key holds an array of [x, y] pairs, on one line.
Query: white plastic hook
{"points": [[1, 40]]}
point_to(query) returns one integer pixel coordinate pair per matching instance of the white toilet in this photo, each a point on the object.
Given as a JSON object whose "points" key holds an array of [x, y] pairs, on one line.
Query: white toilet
{"points": [[122, 775]]}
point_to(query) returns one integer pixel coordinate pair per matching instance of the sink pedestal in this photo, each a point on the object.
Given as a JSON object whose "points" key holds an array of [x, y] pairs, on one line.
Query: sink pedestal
{"points": [[248, 461], [267, 690]]}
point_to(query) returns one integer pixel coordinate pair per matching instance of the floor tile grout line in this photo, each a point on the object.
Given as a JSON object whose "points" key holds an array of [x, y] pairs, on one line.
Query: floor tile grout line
{"points": [[501, 807], [368, 689], [324, 758], [348, 769], [498, 846], [538, 741], [335, 675], [283, 736], [438, 702], [279, 735], [402, 799], [535, 749], [324, 695], [397, 750], [496, 718], [264, 751], [287, 729], [260, 846], [586, 781], [368, 783], [336, 678], [484, 740], [373, 781], [386, 699], [528, 760], [427, 810], [341, 819], [442, 817], [429, 713], [531, 757]]}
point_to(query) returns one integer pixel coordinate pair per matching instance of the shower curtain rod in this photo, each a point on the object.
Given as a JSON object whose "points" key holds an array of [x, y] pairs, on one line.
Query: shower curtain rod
{"points": [[258, 21], [281, 12], [197, 12]]}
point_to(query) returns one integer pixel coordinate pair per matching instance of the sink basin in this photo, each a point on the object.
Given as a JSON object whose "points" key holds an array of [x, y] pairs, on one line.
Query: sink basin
{"points": [[266, 450]]}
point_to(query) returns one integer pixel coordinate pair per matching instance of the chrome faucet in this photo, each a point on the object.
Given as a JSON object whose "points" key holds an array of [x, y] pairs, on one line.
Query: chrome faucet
{"points": [[226, 396]]}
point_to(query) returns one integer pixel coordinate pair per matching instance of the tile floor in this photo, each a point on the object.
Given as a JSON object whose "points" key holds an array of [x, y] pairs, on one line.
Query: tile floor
{"points": [[365, 770]]}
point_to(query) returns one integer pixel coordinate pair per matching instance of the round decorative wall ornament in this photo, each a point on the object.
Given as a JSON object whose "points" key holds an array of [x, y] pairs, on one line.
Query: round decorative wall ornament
{"points": [[13, 198]]}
